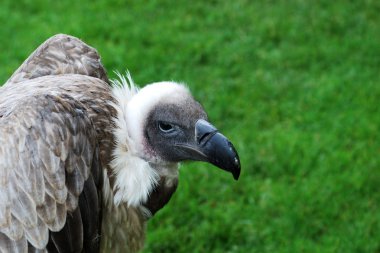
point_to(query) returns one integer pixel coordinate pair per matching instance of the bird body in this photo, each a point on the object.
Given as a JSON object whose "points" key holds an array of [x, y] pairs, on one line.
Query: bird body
{"points": [[84, 161]]}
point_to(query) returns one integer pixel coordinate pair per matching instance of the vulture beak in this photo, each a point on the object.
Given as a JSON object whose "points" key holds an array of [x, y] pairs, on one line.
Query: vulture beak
{"points": [[213, 147]]}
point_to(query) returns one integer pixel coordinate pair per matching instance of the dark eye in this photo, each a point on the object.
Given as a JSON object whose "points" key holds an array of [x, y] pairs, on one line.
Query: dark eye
{"points": [[165, 127]]}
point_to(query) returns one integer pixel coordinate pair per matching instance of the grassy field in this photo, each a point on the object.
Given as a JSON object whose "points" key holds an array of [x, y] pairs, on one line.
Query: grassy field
{"points": [[294, 84]]}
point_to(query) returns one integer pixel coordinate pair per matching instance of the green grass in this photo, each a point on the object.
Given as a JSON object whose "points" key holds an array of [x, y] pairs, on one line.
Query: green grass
{"points": [[294, 84]]}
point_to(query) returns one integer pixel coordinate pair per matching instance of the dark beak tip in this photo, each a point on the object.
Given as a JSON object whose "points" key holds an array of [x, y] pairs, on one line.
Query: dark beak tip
{"points": [[236, 168], [236, 175], [236, 171]]}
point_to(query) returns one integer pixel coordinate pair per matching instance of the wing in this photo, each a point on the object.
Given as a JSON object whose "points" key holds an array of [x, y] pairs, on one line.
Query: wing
{"points": [[61, 54], [48, 161]]}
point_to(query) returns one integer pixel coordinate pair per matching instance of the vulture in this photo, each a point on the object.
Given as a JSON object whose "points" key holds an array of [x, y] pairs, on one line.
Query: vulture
{"points": [[86, 161]]}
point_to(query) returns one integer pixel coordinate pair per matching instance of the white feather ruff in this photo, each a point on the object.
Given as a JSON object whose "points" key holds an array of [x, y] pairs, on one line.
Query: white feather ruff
{"points": [[134, 177]]}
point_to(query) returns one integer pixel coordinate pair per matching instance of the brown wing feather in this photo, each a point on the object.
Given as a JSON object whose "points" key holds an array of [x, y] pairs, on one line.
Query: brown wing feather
{"points": [[38, 185], [61, 54]]}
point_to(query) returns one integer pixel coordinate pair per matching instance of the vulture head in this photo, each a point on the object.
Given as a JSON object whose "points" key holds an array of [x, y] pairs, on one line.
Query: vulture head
{"points": [[160, 126]]}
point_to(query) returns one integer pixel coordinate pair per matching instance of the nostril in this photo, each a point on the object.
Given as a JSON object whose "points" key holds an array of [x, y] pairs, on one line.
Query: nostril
{"points": [[206, 137]]}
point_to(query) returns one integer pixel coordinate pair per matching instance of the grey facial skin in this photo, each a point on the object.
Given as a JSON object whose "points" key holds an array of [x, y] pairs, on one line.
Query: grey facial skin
{"points": [[179, 132]]}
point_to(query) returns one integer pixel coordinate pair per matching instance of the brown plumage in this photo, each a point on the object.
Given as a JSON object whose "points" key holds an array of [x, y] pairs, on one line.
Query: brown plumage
{"points": [[55, 127]]}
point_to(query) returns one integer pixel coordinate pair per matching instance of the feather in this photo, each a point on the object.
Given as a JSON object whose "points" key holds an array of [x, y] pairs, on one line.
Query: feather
{"points": [[49, 160], [38, 235], [58, 194], [90, 207], [71, 202], [23, 207], [14, 230], [48, 210], [75, 182], [58, 55], [60, 218], [70, 237], [14, 246], [5, 214]]}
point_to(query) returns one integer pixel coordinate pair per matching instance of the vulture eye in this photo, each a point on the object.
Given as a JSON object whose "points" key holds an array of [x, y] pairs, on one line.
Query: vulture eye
{"points": [[165, 127]]}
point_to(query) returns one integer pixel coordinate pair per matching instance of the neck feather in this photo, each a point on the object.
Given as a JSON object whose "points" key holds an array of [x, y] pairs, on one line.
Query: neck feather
{"points": [[134, 177]]}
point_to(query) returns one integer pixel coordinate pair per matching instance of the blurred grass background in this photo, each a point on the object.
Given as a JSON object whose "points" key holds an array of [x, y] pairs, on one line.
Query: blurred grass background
{"points": [[294, 84]]}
